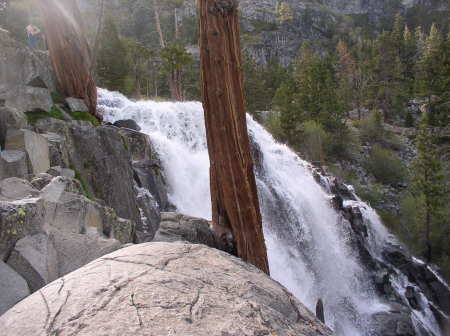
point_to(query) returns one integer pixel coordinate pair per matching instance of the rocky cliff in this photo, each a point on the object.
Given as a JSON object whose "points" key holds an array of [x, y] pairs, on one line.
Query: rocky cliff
{"points": [[277, 28]]}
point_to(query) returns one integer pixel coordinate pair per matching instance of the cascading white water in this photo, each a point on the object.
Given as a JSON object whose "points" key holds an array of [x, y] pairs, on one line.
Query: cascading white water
{"points": [[308, 242]]}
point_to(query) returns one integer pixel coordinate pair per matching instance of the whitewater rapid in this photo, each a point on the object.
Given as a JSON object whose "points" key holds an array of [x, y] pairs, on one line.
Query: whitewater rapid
{"points": [[309, 244]]}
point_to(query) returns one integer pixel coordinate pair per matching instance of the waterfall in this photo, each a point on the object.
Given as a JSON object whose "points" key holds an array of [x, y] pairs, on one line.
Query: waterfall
{"points": [[309, 243]]}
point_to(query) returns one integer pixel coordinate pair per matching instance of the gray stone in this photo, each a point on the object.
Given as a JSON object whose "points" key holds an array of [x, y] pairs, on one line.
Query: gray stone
{"points": [[26, 78], [76, 105], [163, 289], [177, 227], [34, 258], [14, 189], [101, 159], [59, 155], [13, 164], [19, 219], [41, 180], [35, 145], [13, 288], [75, 250], [58, 171], [128, 123]]}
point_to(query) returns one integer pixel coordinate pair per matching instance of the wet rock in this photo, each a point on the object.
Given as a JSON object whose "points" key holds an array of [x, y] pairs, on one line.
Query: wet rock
{"points": [[150, 214], [148, 175], [128, 123], [191, 289], [393, 323], [13, 288], [13, 164]]}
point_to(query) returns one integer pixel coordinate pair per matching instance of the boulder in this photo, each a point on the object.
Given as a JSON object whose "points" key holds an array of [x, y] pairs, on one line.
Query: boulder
{"points": [[393, 323], [13, 164], [128, 123], [13, 287], [58, 171], [177, 227], [163, 289], [41, 180], [17, 220], [14, 189], [34, 258], [75, 250], [76, 105], [34, 144]]}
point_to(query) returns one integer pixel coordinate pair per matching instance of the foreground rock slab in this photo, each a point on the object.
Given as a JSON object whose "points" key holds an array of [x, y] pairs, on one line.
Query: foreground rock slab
{"points": [[163, 289]]}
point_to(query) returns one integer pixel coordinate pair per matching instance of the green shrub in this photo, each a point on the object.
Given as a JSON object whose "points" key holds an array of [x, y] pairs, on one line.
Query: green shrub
{"points": [[273, 125], [34, 116], [314, 141], [372, 194], [385, 166], [85, 116], [371, 129]]}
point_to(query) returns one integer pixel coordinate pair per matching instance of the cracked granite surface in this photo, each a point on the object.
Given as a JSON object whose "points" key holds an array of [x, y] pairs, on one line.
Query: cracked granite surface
{"points": [[163, 289]]}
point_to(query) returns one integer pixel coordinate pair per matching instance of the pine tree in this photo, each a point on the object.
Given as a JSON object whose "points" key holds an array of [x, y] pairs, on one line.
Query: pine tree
{"points": [[429, 190], [112, 65], [174, 59], [409, 58], [430, 82]]}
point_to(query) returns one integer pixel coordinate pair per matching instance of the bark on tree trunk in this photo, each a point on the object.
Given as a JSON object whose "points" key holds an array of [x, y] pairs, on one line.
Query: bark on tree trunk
{"points": [[69, 51], [233, 186]]}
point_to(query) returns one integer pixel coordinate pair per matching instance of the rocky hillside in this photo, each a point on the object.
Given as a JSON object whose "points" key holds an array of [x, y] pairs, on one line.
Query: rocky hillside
{"points": [[277, 28]]}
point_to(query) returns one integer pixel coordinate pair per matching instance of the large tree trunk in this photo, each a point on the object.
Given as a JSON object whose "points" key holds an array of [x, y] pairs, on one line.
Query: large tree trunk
{"points": [[69, 50], [233, 186]]}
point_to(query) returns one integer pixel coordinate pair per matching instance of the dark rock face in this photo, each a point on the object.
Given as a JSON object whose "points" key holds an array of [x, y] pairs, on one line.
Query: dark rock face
{"points": [[176, 227], [159, 289], [394, 258], [129, 123], [100, 157], [13, 287]]}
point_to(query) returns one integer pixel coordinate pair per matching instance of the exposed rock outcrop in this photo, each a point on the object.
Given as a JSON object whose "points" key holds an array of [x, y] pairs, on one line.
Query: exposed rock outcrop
{"points": [[48, 233], [26, 77], [176, 227], [163, 289]]}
